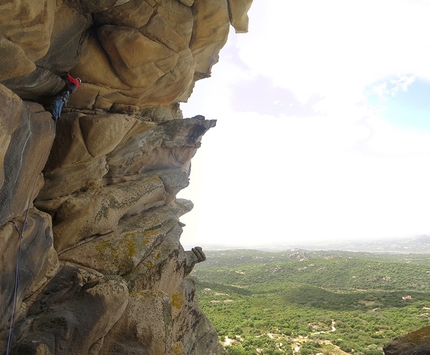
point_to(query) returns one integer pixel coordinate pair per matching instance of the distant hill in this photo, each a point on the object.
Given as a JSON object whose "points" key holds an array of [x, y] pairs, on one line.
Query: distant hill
{"points": [[310, 302], [414, 245]]}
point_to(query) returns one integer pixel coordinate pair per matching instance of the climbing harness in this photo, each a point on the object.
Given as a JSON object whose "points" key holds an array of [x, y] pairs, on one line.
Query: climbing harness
{"points": [[18, 258], [60, 100]]}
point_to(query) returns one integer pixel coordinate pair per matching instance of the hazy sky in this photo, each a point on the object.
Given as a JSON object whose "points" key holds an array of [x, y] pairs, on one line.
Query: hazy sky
{"points": [[323, 128]]}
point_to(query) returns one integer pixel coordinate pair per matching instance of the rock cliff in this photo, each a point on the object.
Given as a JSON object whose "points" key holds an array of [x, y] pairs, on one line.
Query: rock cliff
{"points": [[91, 259], [414, 343]]}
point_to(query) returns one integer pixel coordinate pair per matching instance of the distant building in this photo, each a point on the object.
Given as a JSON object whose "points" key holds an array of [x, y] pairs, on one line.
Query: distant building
{"points": [[406, 298]]}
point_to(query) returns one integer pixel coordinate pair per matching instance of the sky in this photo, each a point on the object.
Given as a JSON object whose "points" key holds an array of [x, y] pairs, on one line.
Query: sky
{"points": [[323, 127]]}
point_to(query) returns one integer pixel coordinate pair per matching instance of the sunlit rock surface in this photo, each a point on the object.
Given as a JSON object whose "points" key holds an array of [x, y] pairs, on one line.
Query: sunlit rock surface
{"points": [[101, 269], [88, 207]]}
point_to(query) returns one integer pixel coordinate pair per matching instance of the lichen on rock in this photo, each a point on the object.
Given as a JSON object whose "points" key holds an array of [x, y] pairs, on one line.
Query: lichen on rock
{"points": [[89, 213]]}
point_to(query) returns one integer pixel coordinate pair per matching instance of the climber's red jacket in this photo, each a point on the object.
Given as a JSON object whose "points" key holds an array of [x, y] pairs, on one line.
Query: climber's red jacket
{"points": [[72, 80]]}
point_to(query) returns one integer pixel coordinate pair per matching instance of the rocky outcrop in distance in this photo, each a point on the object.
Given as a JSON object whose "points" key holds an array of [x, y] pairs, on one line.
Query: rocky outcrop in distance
{"points": [[91, 259]]}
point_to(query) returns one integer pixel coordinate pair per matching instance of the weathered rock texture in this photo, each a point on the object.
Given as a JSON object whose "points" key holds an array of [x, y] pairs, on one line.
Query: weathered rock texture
{"points": [[415, 343], [88, 209]]}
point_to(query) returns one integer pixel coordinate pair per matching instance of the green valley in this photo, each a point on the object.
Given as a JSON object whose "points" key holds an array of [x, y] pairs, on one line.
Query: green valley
{"points": [[312, 302]]}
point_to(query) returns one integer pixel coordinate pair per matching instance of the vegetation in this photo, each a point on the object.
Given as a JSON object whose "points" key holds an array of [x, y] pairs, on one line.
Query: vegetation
{"points": [[323, 302]]}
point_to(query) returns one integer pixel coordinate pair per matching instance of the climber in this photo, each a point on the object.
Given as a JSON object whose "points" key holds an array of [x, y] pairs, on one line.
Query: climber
{"points": [[62, 98], [72, 83]]}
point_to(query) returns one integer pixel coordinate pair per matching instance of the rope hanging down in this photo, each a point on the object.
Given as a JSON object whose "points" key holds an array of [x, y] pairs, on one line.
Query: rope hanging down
{"points": [[18, 258], [56, 108]]}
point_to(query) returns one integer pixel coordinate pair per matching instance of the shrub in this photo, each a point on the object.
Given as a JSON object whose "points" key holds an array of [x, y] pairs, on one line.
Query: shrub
{"points": [[235, 350]]}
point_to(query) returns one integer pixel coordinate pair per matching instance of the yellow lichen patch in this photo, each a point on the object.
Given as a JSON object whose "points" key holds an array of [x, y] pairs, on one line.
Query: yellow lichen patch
{"points": [[146, 239], [103, 246], [177, 348], [148, 264], [177, 301], [129, 244], [151, 233]]}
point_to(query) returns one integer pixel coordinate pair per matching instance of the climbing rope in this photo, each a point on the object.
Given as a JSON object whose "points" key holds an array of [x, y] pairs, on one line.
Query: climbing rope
{"points": [[15, 288], [18, 257]]}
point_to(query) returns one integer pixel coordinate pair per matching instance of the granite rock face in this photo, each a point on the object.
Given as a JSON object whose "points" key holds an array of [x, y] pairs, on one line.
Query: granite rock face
{"points": [[91, 259], [415, 343]]}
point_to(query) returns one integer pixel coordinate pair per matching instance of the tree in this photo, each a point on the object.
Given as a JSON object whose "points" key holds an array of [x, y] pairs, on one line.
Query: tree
{"points": [[235, 350]]}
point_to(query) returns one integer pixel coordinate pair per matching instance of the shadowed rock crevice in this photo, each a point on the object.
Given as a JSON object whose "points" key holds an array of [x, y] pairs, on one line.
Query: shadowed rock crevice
{"points": [[101, 269]]}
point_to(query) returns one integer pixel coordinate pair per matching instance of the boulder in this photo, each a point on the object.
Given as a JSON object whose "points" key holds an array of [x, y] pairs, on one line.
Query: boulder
{"points": [[414, 343], [210, 32], [36, 260], [145, 327], [130, 244], [131, 13], [13, 61], [27, 135], [99, 268], [28, 24], [73, 313], [239, 14], [98, 211], [189, 320], [128, 53]]}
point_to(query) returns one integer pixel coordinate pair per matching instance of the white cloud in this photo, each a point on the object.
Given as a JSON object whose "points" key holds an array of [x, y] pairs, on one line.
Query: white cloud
{"points": [[285, 179], [381, 90], [342, 173], [401, 83], [389, 140], [269, 182], [337, 47]]}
